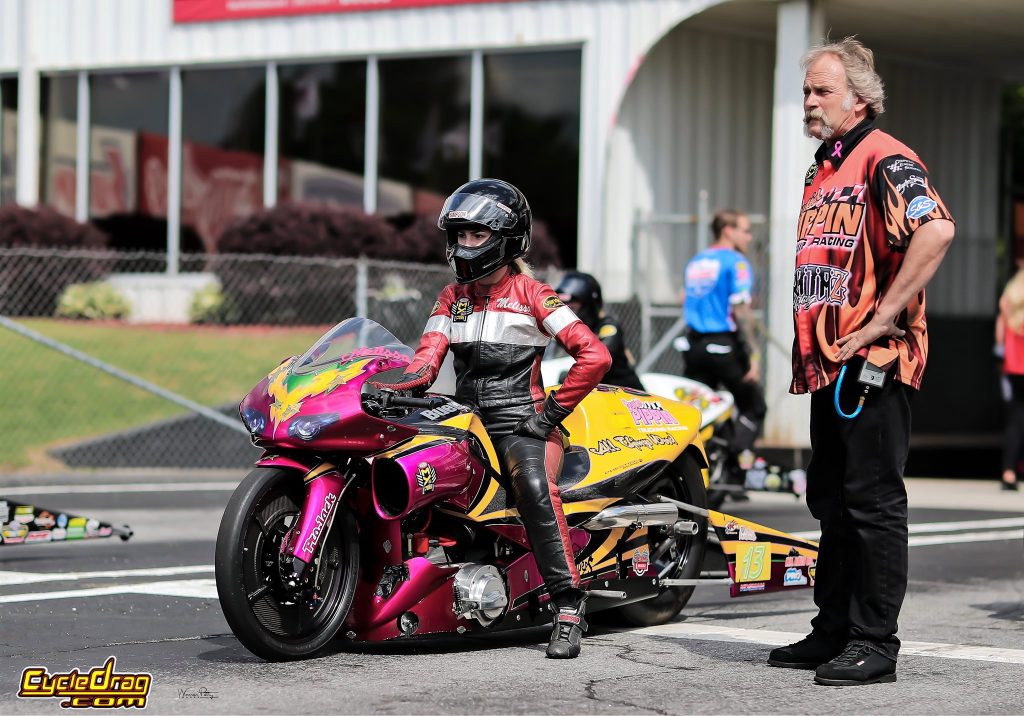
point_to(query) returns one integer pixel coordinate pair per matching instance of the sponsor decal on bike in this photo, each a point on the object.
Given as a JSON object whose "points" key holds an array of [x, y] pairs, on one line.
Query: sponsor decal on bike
{"points": [[731, 527], [462, 310], [754, 587], [39, 536], [14, 533], [288, 391], [604, 447], [426, 477], [753, 563], [799, 561], [811, 572], [794, 577], [76, 528], [747, 534], [321, 521], [100, 688], [24, 514], [584, 567], [641, 560], [438, 413], [5, 512], [646, 443], [649, 412], [45, 520]]}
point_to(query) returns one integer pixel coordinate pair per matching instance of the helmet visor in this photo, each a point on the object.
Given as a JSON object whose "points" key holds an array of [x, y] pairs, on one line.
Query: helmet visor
{"points": [[475, 209]]}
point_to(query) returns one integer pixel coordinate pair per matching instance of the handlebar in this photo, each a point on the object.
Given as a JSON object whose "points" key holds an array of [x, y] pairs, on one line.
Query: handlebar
{"points": [[402, 401]]}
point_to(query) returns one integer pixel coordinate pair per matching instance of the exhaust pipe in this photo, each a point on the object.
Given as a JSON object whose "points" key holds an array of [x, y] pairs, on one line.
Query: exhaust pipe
{"points": [[626, 515]]}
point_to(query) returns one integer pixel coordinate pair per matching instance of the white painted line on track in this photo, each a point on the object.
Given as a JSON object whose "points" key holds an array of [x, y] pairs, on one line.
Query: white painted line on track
{"points": [[948, 531], [12, 578], [924, 540], [197, 588], [126, 487], [711, 632]]}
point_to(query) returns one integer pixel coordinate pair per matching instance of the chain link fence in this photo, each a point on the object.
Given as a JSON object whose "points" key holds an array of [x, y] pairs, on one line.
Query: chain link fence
{"points": [[205, 335]]}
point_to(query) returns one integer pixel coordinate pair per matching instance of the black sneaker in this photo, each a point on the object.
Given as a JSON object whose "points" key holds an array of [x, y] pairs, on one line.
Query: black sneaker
{"points": [[568, 631], [809, 653], [858, 664]]}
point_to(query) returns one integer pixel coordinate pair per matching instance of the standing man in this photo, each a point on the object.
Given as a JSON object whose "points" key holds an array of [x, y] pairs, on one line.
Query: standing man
{"points": [[720, 323], [872, 232]]}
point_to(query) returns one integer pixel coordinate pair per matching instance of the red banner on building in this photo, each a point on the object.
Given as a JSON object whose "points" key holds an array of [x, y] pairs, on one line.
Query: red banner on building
{"points": [[206, 10]]}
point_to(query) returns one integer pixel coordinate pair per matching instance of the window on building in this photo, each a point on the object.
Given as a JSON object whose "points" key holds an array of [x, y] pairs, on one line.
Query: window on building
{"points": [[223, 125], [424, 133], [128, 158], [322, 132], [532, 135], [8, 139], [58, 105]]}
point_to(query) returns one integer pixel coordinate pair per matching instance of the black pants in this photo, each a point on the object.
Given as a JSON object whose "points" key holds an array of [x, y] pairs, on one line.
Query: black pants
{"points": [[1014, 423], [855, 488], [532, 468], [720, 359]]}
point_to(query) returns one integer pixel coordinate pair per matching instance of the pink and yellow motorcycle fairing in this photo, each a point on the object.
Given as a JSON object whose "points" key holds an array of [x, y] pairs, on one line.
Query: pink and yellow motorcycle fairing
{"points": [[381, 516]]}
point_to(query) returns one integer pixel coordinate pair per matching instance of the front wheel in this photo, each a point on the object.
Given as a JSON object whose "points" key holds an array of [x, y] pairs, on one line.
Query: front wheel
{"points": [[271, 621], [672, 556]]}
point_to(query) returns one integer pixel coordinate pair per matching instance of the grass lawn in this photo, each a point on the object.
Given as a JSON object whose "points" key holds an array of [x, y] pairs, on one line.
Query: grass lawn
{"points": [[48, 398]]}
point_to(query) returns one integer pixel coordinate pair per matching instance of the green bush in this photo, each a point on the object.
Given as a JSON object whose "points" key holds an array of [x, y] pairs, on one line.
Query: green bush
{"points": [[210, 305], [96, 300]]}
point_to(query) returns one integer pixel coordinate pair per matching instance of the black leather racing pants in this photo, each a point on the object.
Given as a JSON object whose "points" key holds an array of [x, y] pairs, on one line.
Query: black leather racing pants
{"points": [[532, 468], [855, 488]]}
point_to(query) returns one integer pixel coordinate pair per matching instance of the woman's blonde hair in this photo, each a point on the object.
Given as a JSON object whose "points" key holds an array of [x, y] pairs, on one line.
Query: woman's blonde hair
{"points": [[859, 63], [520, 266], [1012, 302]]}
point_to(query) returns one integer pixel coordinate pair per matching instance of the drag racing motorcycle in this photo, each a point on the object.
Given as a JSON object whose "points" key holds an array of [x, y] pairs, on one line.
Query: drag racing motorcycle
{"points": [[374, 515], [730, 471]]}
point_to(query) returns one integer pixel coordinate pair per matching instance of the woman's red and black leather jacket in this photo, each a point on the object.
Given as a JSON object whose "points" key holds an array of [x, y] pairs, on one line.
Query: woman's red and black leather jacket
{"points": [[498, 334]]}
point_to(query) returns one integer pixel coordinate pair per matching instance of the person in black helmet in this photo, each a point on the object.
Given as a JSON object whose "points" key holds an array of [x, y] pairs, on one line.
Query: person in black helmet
{"points": [[497, 320], [582, 293]]}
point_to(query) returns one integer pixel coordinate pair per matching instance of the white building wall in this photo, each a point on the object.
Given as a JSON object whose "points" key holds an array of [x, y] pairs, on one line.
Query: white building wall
{"points": [[697, 117], [8, 36]]}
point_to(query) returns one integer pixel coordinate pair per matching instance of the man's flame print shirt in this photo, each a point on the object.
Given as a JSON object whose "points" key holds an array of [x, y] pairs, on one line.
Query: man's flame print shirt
{"points": [[864, 197]]}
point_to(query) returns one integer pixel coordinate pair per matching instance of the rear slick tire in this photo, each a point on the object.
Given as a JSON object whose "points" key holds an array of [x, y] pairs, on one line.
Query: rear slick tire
{"points": [[681, 481], [271, 622]]}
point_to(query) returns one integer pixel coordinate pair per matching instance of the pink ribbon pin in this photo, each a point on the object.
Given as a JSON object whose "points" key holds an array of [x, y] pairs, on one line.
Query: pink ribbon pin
{"points": [[838, 151]]}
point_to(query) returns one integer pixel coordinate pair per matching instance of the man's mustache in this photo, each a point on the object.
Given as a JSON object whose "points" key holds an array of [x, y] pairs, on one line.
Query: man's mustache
{"points": [[815, 114]]}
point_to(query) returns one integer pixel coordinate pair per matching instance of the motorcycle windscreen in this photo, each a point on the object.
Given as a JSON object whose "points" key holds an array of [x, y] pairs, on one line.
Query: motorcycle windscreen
{"points": [[762, 559], [346, 339]]}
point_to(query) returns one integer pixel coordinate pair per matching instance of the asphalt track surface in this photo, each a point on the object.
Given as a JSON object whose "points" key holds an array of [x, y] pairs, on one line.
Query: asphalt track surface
{"points": [[151, 602]]}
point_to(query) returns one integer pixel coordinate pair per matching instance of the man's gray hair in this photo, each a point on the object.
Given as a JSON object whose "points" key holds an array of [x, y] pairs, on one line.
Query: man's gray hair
{"points": [[859, 63]]}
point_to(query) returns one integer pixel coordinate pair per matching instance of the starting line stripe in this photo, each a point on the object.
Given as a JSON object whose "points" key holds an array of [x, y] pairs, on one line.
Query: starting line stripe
{"points": [[12, 578], [198, 588], [126, 487], [708, 632]]}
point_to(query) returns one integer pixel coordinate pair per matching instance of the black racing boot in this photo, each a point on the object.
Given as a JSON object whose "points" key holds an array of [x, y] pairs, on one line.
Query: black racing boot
{"points": [[860, 663], [809, 653], [568, 630]]}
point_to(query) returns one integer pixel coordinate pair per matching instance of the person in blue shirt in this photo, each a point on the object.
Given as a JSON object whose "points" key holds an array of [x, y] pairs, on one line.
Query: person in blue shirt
{"points": [[720, 327]]}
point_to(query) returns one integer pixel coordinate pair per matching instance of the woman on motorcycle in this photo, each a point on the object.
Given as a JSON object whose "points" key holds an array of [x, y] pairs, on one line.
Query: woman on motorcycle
{"points": [[497, 320]]}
